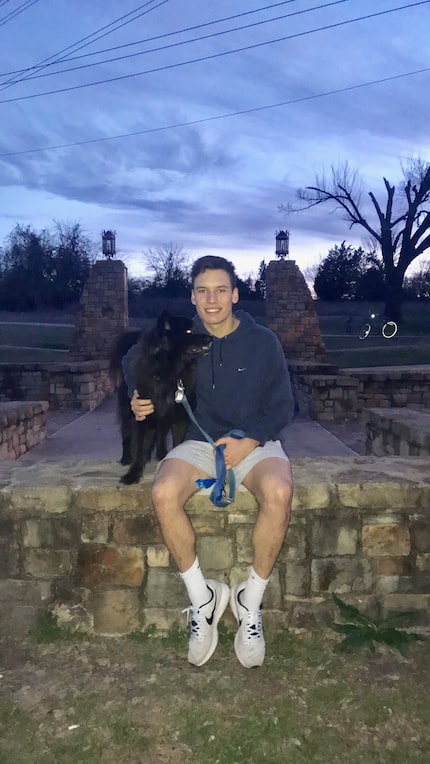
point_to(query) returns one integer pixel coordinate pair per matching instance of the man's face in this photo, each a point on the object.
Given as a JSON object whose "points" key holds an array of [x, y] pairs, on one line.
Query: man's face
{"points": [[214, 299]]}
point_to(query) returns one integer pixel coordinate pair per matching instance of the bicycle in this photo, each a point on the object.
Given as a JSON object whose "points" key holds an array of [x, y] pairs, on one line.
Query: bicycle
{"points": [[388, 328]]}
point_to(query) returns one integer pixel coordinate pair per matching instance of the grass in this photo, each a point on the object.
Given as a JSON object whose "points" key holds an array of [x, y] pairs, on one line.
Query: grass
{"points": [[137, 700], [42, 336], [44, 343]]}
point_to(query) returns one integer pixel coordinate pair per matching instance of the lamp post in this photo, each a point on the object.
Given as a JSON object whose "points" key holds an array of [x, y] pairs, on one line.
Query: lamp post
{"points": [[282, 244], [108, 244]]}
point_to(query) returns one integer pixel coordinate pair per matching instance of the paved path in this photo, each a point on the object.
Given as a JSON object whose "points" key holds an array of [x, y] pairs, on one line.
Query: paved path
{"points": [[95, 435]]}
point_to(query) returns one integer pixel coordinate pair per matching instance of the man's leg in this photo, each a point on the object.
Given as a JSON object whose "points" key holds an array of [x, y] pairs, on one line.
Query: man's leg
{"points": [[174, 484], [270, 481]]}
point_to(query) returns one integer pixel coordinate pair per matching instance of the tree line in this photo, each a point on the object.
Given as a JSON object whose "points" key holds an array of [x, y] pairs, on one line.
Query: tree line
{"points": [[48, 269]]}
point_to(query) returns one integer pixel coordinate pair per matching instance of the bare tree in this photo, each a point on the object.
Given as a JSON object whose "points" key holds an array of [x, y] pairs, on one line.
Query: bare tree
{"points": [[170, 265], [400, 226]]}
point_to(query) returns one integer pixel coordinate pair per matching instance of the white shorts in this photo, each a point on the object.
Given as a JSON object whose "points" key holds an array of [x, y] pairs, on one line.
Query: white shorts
{"points": [[201, 454]]}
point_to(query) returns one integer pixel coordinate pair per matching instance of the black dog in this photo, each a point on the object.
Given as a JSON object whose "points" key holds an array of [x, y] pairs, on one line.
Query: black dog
{"points": [[164, 355]]}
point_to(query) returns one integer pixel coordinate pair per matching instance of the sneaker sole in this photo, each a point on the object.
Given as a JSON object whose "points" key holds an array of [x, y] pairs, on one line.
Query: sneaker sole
{"points": [[221, 605], [234, 609]]}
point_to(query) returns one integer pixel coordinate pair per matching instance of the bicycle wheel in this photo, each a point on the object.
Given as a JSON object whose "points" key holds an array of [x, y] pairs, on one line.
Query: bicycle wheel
{"points": [[389, 330], [364, 331]]}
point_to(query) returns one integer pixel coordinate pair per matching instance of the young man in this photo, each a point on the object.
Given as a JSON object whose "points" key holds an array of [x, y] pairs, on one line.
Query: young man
{"points": [[243, 383]]}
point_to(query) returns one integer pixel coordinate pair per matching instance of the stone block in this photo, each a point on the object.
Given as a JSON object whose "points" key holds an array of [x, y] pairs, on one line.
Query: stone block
{"points": [[138, 529], [9, 548], [95, 528], [297, 579], [40, 499], [116, 611], [340, 574], [244, 548], [334, 536], [164, 589], [49, 532], [48, 563], [157, 556], [311, 496], [390, 540], [215, 552], [102, 498], [392, 584], [25, 590], [421, 536], [377, 495], [101, 565]]}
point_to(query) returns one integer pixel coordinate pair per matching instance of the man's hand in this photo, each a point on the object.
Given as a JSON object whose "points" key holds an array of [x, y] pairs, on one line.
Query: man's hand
{"points": [[141, 407], [236, 449]]}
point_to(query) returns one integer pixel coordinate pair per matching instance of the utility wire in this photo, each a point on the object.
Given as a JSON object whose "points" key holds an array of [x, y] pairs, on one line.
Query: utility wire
{"points": [[187, 42], [17, 11], [64, 59], [42, 64], [215, 55], [227, 115]]}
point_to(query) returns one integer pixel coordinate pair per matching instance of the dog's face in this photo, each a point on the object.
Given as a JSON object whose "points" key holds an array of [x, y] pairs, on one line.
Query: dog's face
{"points": [[180, 334]]}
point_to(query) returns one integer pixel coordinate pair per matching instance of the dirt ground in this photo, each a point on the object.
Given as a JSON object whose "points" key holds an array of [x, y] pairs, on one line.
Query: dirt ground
{"points": [[137, 700]]}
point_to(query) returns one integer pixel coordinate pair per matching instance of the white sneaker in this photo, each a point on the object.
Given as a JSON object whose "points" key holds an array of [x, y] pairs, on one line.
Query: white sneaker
{"points": [[204, 623], [249, 641]]}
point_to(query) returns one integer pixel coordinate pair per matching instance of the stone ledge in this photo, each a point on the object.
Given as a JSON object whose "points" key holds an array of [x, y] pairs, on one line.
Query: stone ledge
{"points": [[74, 540], [22, 426], [400, 431]]}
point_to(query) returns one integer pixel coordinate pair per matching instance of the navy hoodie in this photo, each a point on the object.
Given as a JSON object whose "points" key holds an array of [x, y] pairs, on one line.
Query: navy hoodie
{"points": [[243, 383]]}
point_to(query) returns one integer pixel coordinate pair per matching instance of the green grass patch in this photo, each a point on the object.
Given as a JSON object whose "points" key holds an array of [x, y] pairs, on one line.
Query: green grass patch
{"points": [[46, 630], [42, 336], [381, 356]]}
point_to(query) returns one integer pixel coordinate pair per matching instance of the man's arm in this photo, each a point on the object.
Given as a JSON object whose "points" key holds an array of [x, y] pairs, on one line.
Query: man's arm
{"points": [[275, 408]]}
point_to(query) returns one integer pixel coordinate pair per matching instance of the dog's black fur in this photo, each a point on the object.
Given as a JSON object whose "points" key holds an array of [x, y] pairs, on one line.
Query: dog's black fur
{"points": [[165, 354]]}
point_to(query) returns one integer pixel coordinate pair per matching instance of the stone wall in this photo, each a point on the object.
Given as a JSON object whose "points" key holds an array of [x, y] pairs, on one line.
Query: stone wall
{"points": [[329, 395], [22, 426], [290, 312], [74, 541], [397, 431], [71, 385], [103, 311]]}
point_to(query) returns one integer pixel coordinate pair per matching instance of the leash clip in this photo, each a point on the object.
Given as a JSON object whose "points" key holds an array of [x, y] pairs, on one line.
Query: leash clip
{"points": [[180, 392]]}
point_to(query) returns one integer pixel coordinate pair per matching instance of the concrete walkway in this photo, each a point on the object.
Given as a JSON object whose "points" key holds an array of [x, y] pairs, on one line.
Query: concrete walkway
{"points": [[95, 435]]}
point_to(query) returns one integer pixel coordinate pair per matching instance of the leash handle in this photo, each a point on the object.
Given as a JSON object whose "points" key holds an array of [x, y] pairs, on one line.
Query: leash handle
{"points": [[218, 491]]}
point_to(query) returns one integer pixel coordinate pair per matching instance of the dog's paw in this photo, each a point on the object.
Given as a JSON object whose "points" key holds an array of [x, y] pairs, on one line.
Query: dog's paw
{"points": [[131, 477]]}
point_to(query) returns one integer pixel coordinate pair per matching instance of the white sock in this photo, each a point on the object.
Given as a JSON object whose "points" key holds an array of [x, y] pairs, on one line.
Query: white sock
{"points": [[253, 593], [196, 586]]}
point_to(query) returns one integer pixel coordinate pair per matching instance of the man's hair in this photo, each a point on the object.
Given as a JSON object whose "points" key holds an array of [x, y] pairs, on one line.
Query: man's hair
{"points": [[213, 263]]}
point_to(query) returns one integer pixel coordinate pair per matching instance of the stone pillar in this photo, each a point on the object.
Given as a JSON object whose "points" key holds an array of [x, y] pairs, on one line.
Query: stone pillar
{"points": [[103, 311], [290, 312]]}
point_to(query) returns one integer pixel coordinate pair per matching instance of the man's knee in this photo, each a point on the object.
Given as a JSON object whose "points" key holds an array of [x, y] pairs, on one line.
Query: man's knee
{"points": [[276, 492], [164, 491]]}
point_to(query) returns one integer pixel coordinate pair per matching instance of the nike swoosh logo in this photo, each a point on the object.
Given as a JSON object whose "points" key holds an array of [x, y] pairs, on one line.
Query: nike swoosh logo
{"points": [[244, 369]]}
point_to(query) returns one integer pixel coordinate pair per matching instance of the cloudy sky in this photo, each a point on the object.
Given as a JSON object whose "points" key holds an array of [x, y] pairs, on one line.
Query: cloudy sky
{"points": [[190, 122]]}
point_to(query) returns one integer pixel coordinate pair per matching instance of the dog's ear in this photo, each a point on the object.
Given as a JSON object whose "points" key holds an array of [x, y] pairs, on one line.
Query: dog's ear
{"points": [[163, 323]]}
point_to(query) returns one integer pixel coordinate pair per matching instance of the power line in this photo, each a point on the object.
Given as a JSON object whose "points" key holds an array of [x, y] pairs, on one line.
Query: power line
{"points": [[216, 55], [42, 64], [187, 42], [17, 11], [218, 117], [149, 39]]}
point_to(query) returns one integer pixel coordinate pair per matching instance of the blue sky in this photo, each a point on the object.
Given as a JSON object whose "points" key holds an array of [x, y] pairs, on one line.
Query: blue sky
{"points": [[207, 152]]}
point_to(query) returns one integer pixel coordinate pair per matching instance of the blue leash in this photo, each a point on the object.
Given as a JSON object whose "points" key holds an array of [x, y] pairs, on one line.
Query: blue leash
{"points": [[218, 496]]}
